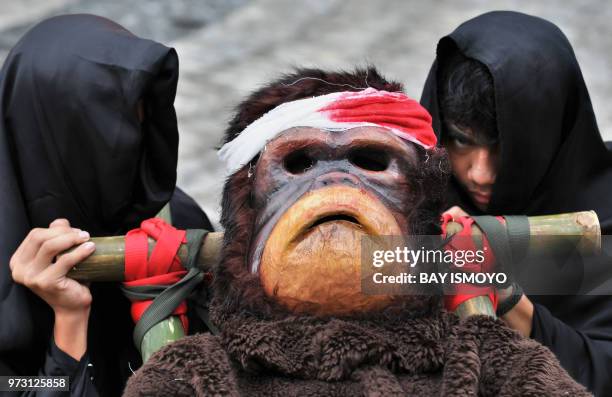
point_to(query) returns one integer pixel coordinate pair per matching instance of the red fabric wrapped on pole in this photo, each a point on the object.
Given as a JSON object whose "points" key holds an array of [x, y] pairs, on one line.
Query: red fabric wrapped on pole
{"points": [[163, 267], [463, 241]]}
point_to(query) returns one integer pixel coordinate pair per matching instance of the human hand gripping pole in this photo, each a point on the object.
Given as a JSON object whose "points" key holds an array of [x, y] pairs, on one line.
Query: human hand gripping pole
{"points": [[36, 265], [456, 295], [505, 242]]}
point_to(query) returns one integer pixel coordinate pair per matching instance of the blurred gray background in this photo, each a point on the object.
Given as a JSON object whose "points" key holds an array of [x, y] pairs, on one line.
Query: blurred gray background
{"points": [[229, 47]]}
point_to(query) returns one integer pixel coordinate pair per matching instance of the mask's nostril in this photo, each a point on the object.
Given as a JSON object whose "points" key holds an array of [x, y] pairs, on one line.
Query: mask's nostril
{"points": [[370, 159], [298, 162], [336, 178]]}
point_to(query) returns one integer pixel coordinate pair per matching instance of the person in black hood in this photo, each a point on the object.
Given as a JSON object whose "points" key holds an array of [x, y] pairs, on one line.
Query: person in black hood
{"points": [[88, 133], [510, 105]]}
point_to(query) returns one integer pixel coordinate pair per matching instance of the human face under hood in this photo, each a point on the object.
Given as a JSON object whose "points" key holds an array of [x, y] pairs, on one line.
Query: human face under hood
{"points": [[551, 155]]}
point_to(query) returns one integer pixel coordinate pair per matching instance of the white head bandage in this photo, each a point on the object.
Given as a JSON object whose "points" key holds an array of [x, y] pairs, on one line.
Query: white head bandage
{"points": [[337, 111]]}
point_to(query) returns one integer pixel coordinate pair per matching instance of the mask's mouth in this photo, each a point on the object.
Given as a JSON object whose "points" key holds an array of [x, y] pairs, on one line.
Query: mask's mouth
{"points": [[340, 205], [312, 258], [335, 218]]}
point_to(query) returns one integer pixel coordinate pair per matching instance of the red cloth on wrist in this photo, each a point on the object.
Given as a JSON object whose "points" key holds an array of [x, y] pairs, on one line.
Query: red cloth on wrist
{"points": [[163, 267], [464, 292]]}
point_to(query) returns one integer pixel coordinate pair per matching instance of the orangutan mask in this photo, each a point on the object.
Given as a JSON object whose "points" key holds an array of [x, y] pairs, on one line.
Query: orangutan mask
{"points": [[316, 193]]}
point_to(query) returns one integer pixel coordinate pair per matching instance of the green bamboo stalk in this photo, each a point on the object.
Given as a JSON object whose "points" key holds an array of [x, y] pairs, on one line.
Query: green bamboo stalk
{"points": [[549, 232], [164, 332], [167, 330], [474, 306], [107, 263]]}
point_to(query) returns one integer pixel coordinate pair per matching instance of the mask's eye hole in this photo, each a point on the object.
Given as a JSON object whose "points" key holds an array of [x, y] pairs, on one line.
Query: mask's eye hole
{"points": [[369, 159], [298, 162]]}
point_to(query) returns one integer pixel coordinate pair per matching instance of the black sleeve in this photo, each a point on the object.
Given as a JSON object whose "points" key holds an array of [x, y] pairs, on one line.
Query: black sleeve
{"points": [[186, 213], [586, 354], [58, 363]]}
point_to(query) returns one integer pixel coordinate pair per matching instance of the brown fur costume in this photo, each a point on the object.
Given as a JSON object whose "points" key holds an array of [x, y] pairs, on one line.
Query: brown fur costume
{"points": [[435, 355], [413, 347]]}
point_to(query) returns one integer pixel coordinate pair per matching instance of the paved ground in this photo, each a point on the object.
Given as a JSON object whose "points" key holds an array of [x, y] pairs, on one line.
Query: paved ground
{"points": [[229, 47]]}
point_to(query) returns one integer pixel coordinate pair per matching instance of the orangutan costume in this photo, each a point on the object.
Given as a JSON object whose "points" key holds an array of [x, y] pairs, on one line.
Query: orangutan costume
{"points": [[345, 155]]}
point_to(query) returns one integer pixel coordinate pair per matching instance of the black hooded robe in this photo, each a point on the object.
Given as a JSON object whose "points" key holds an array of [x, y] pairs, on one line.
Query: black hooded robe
{"points": [[72, 146], [553, 160]]}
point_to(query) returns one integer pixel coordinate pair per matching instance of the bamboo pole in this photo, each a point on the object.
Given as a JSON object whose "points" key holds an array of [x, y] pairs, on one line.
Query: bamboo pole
{"points": [[580, 230], [171, 328], [548, 234], [552, 232], [474, 306], [162, 333], [107, 263]]}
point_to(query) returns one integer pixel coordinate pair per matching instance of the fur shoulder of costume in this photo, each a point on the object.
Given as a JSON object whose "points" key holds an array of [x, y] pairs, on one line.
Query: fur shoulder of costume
{"points": [[478, 356], [194, 365]]}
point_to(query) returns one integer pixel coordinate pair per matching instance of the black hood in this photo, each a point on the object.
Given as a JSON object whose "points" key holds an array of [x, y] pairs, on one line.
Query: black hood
{"points": [[72, 145], [553, 158]]}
